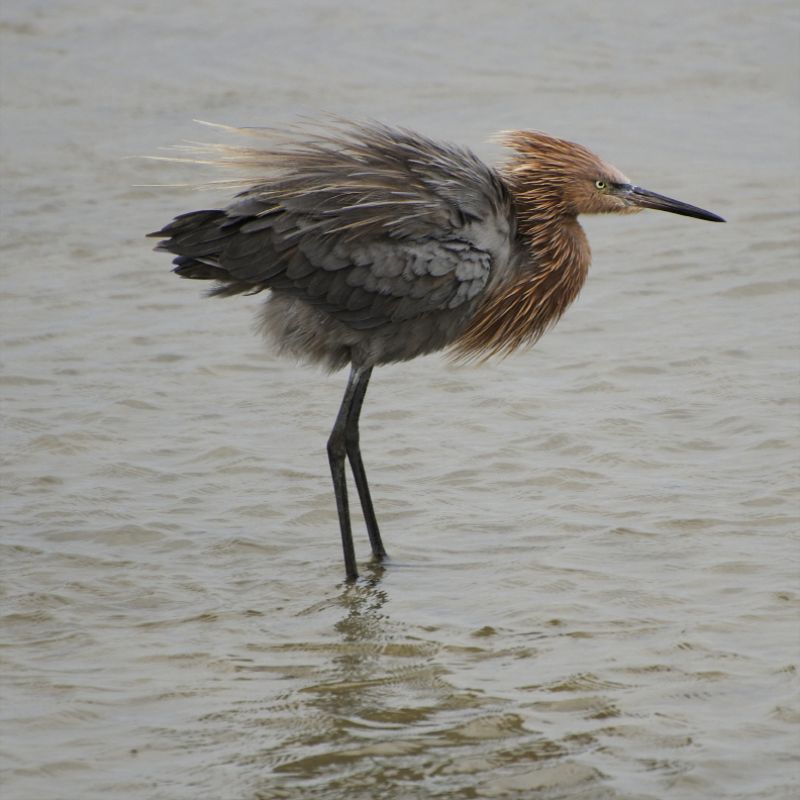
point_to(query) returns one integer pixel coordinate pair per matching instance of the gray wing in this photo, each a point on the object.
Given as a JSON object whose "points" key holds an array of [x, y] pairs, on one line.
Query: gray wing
{"points": [[372, 225]]}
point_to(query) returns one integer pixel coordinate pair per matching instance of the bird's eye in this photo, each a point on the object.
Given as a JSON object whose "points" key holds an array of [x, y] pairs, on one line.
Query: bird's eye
{"points": [[601, 185]]}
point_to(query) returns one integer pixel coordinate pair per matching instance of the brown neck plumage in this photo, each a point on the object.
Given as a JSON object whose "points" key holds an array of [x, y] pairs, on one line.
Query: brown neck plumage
{"points": [[518, 311]]}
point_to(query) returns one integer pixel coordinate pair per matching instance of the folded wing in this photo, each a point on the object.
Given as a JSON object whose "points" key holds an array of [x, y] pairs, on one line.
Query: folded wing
{"points": [[371, 225]]}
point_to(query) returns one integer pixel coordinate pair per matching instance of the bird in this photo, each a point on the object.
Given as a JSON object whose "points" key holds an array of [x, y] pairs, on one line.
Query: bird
{"points": [[378, 244]]}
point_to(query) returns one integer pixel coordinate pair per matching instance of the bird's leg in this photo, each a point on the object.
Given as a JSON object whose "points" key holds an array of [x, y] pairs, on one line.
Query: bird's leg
{"points": [[337, 451], [357, 465]]}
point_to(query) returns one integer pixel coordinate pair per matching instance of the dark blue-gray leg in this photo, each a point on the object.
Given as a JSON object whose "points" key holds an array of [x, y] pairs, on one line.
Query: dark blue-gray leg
{"points": [[337, 452], [344, 443], [357, 465]]}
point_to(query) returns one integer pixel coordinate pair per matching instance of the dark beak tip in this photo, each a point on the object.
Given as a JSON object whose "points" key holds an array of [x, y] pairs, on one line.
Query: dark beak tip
{"points": [[644, 198]]}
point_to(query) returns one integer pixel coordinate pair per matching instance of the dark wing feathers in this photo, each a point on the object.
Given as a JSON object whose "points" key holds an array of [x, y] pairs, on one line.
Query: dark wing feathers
{"points": [[376, 226]]}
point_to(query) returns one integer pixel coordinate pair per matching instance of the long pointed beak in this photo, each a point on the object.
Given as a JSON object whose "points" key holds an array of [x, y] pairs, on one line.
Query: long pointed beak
{"points": [[647, 199]]}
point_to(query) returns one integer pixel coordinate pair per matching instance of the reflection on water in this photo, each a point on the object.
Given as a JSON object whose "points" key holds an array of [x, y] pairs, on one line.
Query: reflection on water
{"points": [[388, 722]]}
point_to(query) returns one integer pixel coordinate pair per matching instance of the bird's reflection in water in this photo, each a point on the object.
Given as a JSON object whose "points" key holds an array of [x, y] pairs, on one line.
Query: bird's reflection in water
{"points": [[365, 634], [363, 602], [373, 652], [381, 703]]}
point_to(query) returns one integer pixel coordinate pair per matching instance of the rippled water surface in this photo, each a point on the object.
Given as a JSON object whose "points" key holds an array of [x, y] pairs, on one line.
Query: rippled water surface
{"points": [[593, 584]]}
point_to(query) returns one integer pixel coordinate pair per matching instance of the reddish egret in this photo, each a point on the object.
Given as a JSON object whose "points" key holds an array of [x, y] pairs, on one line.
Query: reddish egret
{"points": [[380, 245]]}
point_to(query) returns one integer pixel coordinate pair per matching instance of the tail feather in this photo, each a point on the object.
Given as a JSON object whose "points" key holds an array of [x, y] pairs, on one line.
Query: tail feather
{"points": [[198, 239], [188, 222], [188, 267]]}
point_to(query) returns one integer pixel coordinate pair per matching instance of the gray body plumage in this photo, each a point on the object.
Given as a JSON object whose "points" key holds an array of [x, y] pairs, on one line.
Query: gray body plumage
{"points": [[377, 244]]}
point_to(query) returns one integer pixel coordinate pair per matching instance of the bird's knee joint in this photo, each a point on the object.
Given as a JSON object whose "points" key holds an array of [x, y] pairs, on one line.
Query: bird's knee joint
{"points": [[337, 447]]}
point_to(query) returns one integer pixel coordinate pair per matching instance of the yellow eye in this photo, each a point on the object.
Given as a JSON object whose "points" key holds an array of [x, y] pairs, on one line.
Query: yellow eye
{"points": [[601, 185]]}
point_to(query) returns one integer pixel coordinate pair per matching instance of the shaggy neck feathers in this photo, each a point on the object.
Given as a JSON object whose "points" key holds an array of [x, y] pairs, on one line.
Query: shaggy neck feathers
{"points": [[549, 277]]}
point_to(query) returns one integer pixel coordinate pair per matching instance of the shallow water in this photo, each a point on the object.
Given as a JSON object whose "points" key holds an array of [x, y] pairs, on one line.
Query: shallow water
{"points": [[593, 584]]}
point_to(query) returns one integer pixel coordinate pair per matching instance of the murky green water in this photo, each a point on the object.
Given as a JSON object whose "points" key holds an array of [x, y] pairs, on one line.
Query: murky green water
{"points": [[593, 585]]}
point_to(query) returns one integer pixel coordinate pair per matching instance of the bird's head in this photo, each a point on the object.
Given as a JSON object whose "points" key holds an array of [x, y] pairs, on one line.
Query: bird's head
{"points": [[562, 178]]}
